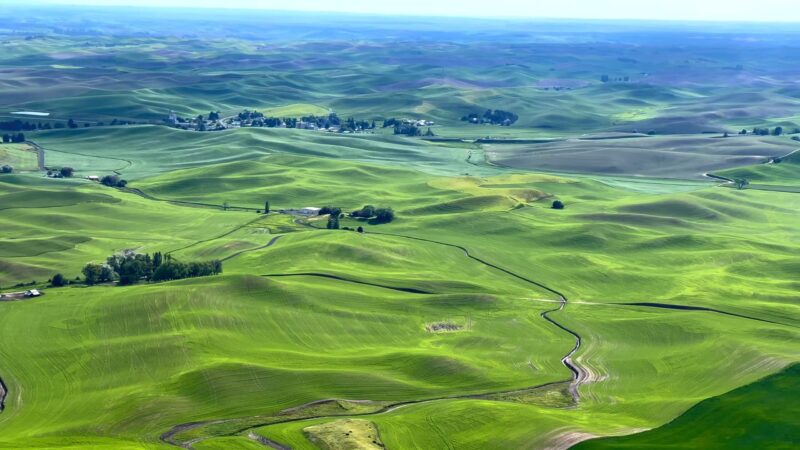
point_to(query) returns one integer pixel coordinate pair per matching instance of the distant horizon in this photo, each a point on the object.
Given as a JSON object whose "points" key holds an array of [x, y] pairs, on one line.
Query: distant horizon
{"points": [[716, 11]]}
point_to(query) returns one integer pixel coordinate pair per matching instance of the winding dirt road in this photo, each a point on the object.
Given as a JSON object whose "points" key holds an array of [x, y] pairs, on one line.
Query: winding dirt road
{"points": [[579, 375], [240, 252]]}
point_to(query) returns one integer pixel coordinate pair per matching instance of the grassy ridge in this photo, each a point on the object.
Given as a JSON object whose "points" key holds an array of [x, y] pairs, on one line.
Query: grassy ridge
{"points": [[162, 351], [759, 415], [681, 89], [245, 345], [140, 151], [785, 173], [634, 383]]}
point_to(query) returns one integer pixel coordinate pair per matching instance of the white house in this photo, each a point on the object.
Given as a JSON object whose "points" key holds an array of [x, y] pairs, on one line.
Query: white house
{"points": [[93, 178]]}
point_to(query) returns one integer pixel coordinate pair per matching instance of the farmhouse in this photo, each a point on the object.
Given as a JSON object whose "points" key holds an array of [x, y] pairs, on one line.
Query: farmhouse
{"points": [[32, 293], [93, 178]]}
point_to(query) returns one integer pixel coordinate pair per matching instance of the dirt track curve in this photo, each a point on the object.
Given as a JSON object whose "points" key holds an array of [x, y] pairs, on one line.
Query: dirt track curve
{"points": [[579, 375]]}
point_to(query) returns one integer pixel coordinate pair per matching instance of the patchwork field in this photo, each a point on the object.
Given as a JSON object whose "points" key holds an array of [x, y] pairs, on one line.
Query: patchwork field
{"points": [[657, 308]]}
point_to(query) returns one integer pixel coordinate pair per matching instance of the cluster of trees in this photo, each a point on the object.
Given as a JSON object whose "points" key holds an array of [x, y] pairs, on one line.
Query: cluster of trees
{"points": [[493, 117], [777, 131], [114, 181], [368, 212], [176, 270], [356, 125], [59, 280], [64, 172], [605, 78], [408, 130], [406, 127], [377, 215], [13, 138], [130, 268], [333, 121], [335, 213], [256, 119], [332, 210], [72, 124], [118, 122], [18, 125], [6, 169]]}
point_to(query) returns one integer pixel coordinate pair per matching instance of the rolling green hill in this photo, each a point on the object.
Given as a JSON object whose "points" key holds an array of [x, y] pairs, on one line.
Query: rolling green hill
{"points": [[656, 309], [759, 415], [783, 174]]}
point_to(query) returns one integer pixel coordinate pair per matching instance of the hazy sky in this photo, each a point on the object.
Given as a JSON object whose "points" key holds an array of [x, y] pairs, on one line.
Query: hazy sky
{"points": [[738, 10]]}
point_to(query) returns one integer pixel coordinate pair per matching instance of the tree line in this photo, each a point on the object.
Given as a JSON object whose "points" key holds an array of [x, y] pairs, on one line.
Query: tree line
{"points": [[493, 117], [257, 119], [64, 172], [370, 213], [131, 267], [777, 131], [19, 125], [15, 138], [406, 127]]}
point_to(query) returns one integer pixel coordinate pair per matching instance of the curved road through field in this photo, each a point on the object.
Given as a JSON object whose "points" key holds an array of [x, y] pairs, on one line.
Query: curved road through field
{"points": [[579, 375]]}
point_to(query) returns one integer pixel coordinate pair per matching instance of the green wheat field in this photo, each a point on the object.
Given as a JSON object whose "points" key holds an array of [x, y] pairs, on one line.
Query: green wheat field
{"points": [[658, 309]]}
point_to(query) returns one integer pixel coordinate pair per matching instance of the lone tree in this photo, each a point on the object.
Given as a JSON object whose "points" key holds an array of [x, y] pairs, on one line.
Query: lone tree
{"points": [[741, 183], [6, 169], [58, 280], [67, 172], [558, 204], [360, 229], [333, 222], [266, 207]]}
